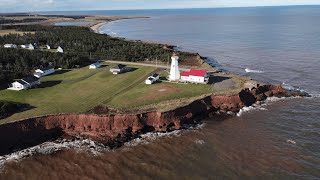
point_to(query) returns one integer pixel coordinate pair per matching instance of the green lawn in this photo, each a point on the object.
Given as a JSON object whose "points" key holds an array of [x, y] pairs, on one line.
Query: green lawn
{"points": [[79, 90], [75, 92], [143, 94]]}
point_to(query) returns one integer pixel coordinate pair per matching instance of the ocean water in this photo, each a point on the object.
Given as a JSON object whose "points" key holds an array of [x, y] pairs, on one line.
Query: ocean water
{"points": [[279, 140], [71, 23]]}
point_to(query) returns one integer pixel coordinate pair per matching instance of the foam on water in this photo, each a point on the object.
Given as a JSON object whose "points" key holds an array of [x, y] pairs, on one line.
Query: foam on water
{"points": [[265, 103], [199, 141], [253, 71], [153, 136], [291, 141], [83, 145], [150, 137], [251, 108], [87, 145]]}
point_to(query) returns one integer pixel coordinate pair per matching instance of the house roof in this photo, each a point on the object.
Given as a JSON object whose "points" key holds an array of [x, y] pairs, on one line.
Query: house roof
{"points": [[119, 66], [30, 79], [155, 75], [21, 82], [46, 68], [95, 64], [195, 72]]}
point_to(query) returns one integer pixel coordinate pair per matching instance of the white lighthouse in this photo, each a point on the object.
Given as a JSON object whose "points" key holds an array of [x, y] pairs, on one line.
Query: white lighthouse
{"points": [[174, 71]]}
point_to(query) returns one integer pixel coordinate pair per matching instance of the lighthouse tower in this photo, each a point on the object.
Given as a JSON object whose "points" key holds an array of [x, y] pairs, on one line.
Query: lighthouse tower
{"points": [[174, 71]]}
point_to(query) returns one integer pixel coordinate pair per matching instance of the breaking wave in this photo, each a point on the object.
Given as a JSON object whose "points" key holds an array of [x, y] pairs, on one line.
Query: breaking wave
{"points": [[83, 145], [86, 145], [262, 106], [251, 108], [153, 136], [199, 141], [291, 141], [253, 71]]}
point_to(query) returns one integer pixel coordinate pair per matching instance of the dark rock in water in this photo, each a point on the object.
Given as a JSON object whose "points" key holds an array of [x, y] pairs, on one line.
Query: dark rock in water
{"points": [[269, 93], [261, 97], [247, 97]]}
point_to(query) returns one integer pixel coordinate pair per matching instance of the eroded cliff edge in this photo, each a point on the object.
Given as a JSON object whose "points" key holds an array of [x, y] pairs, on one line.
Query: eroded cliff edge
{"points": [[114, 129]]}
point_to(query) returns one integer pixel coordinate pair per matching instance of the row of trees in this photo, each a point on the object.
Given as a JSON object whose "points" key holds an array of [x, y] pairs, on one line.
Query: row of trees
{"points": [[26, 20], [80, 46]]}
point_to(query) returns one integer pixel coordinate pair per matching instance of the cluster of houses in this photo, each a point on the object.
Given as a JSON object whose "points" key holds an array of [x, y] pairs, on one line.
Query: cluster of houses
{"points": [[31, 81], [197, 76], [30, 47]]}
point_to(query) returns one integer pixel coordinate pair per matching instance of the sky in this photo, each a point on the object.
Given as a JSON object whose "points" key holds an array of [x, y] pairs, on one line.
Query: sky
{"points": [[72, 5]]}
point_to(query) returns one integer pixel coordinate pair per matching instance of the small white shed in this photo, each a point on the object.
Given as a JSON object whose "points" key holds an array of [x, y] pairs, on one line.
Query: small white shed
{"points": [[10, 46], [95, 65], [60, 50]]}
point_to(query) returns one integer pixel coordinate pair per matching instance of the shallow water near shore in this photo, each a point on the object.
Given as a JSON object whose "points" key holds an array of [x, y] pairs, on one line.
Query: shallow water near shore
{"points": [[66, 23], [279, 140]]}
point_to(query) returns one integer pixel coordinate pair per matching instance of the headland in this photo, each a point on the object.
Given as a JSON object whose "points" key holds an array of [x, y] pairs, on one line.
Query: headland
{"points": [[113, 109]]}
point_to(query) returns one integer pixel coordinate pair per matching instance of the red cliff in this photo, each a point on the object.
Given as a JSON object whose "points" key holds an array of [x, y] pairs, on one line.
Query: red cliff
{"points": [[114, 129]]}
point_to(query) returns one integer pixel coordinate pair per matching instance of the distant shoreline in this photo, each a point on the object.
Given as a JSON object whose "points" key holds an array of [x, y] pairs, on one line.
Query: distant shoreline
{"points": [[96, 28]]}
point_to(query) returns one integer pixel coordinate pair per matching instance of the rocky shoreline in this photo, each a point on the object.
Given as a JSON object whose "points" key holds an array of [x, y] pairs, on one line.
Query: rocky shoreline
{"points": [[115, 129]]}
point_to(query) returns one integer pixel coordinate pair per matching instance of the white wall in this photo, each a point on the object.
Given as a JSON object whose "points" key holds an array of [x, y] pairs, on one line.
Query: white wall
{"points": [[194, 79]]}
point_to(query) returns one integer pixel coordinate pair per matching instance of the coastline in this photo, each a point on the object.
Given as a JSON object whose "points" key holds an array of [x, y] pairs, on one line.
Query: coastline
{"points": [[116, 128], [96, 28]]}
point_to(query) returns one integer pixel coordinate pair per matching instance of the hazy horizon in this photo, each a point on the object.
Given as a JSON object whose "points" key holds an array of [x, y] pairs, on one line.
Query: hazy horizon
{"points": [[15, 6], [84, 10]]}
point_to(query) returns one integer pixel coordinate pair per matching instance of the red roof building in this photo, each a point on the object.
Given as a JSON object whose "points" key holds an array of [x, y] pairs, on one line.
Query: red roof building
{"points": [[195, 76], [195, 72]]}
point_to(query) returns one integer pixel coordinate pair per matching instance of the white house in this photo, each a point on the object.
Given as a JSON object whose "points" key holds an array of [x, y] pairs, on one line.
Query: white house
{"points": [[10, 46], [118, 69], [25, 83], [44, 71], [30, 47], [152, 79], [27, 46], [60, 50], [95, 65], [195, 76]]}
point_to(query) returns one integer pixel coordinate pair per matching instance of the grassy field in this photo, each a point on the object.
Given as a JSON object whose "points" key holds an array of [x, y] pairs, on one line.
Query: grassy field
{"points": [[74, 91], [12, 31], [144, 94], [79, 90]]}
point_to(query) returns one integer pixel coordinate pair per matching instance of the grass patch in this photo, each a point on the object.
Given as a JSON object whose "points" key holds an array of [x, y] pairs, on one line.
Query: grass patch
{"points": [[75, 92], [80, 90], [13, 31], [143, 94]]}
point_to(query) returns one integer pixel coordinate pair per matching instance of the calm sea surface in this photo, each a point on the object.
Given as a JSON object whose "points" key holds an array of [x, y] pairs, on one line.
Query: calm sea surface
{"points": [[280, 140]]}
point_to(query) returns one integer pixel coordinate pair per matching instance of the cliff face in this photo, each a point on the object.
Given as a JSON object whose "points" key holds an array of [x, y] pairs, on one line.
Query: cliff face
{"points": [[114, 129]]}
